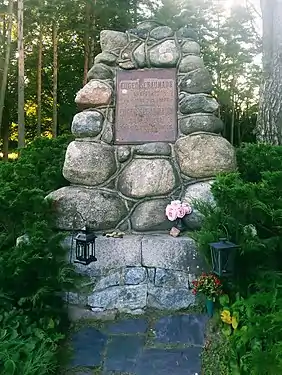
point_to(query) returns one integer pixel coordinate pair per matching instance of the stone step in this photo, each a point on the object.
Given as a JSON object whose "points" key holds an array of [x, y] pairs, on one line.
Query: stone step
{"points": [[169, 345]]}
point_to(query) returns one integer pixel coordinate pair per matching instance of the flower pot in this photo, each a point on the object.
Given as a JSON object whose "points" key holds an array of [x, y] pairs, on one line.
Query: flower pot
{"points": [[210, 307]]}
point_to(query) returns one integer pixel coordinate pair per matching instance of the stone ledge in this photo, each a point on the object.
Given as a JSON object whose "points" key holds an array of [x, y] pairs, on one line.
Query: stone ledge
{"points": [[164, 251], [152, 251]]}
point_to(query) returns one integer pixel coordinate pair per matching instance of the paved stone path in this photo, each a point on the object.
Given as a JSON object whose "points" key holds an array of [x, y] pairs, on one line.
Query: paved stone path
{"points": [[170, 346]]}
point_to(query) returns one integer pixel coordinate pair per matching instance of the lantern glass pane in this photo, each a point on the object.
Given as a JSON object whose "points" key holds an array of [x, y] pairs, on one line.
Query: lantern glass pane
{"points": [[215, 260]]}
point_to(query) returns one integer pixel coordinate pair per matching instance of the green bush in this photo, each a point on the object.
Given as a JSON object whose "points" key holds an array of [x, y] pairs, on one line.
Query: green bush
{"points": [[249, 212], [244, 206], [34, 273]]}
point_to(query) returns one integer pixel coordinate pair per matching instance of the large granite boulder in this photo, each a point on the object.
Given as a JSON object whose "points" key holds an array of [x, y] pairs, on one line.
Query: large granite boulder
{"points": [[139, 55], [87, 124], [147, 178], [200, 192], [161, 32], [200, 122], [106, 57], [165, 54], [100, 210], [190, 63], [111, 40], [100, 71], [150, 216], [197, 81], [147, 25], [190, 47], [89, 163], [204, 155], [195, 103], [94, 93], [187, 32]]}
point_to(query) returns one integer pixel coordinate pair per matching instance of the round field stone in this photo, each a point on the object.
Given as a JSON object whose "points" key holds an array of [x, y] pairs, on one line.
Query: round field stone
{"points": [[190, 63], [89, 163], [147, 177], [197, 81], [200, 122], [204, 155], [161, 32], [87, 124], [100, 210], [164, 54], [100, 71], [94, 93]]}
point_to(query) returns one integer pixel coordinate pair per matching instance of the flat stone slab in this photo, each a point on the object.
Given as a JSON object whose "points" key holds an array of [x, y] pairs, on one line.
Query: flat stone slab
{"points": [[170, 362], [123, 353], [128, 327], [88, 345], [150, 250], [119, 348], [181, 329], [164, 251]]}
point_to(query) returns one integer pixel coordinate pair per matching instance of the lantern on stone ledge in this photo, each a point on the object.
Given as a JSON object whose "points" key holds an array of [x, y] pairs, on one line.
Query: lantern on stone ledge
{"points": [[85, 247], [223, 257]]}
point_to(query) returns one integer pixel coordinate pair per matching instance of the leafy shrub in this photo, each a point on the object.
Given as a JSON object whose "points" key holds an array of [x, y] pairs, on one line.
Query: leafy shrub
{"points": [[245, 207], [34, 273], [254, 159], [249, 212]]}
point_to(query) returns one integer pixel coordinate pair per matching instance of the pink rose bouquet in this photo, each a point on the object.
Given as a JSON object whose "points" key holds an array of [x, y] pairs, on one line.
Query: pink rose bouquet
{"points": [[177, 210]]}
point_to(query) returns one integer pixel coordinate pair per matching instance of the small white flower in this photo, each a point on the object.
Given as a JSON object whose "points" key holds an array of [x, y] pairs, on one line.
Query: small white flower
{"points": [[251, 230]]}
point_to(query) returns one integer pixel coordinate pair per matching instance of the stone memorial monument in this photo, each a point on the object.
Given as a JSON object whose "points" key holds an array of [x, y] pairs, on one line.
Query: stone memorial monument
{"points": [[146, 134]]}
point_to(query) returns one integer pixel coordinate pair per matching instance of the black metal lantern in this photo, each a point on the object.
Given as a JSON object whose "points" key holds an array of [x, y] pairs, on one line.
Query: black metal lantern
{"points": [[85, 247], [223, 257]]}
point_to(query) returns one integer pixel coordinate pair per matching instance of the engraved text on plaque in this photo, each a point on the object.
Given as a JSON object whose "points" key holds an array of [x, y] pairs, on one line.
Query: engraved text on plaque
{"points": [[146, 106]]}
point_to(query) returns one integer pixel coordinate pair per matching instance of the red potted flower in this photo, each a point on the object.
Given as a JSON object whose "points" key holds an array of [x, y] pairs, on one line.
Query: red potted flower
{"points": [[210, 286]]}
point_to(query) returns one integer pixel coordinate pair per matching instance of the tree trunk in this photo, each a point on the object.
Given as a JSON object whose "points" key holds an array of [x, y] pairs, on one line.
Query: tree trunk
{"points": [[5, 133], [55, 79], [93, 39], [86, 40], [39, 82], [269, 121], [135, 13], [232, 120], [2, 45], [21, 117], [6, 61]]}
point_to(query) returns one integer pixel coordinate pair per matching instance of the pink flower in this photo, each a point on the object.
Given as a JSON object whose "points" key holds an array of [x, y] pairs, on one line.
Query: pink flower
{"points": [[176, 209], [181, 212], [187, 208], [171, 212]]}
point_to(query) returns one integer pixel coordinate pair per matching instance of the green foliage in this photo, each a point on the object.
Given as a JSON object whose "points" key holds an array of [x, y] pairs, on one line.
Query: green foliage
{"points": [[249, 211], [229, 45], [216, 355], [34, 273], [253, 160]]}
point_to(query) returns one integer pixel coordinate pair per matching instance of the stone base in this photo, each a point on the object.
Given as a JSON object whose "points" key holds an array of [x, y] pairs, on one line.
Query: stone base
{"points": [[138, 272]]}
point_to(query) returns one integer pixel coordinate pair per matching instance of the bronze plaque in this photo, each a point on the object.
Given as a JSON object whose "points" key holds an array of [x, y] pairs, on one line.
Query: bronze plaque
{"points": [[146, 106]]}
